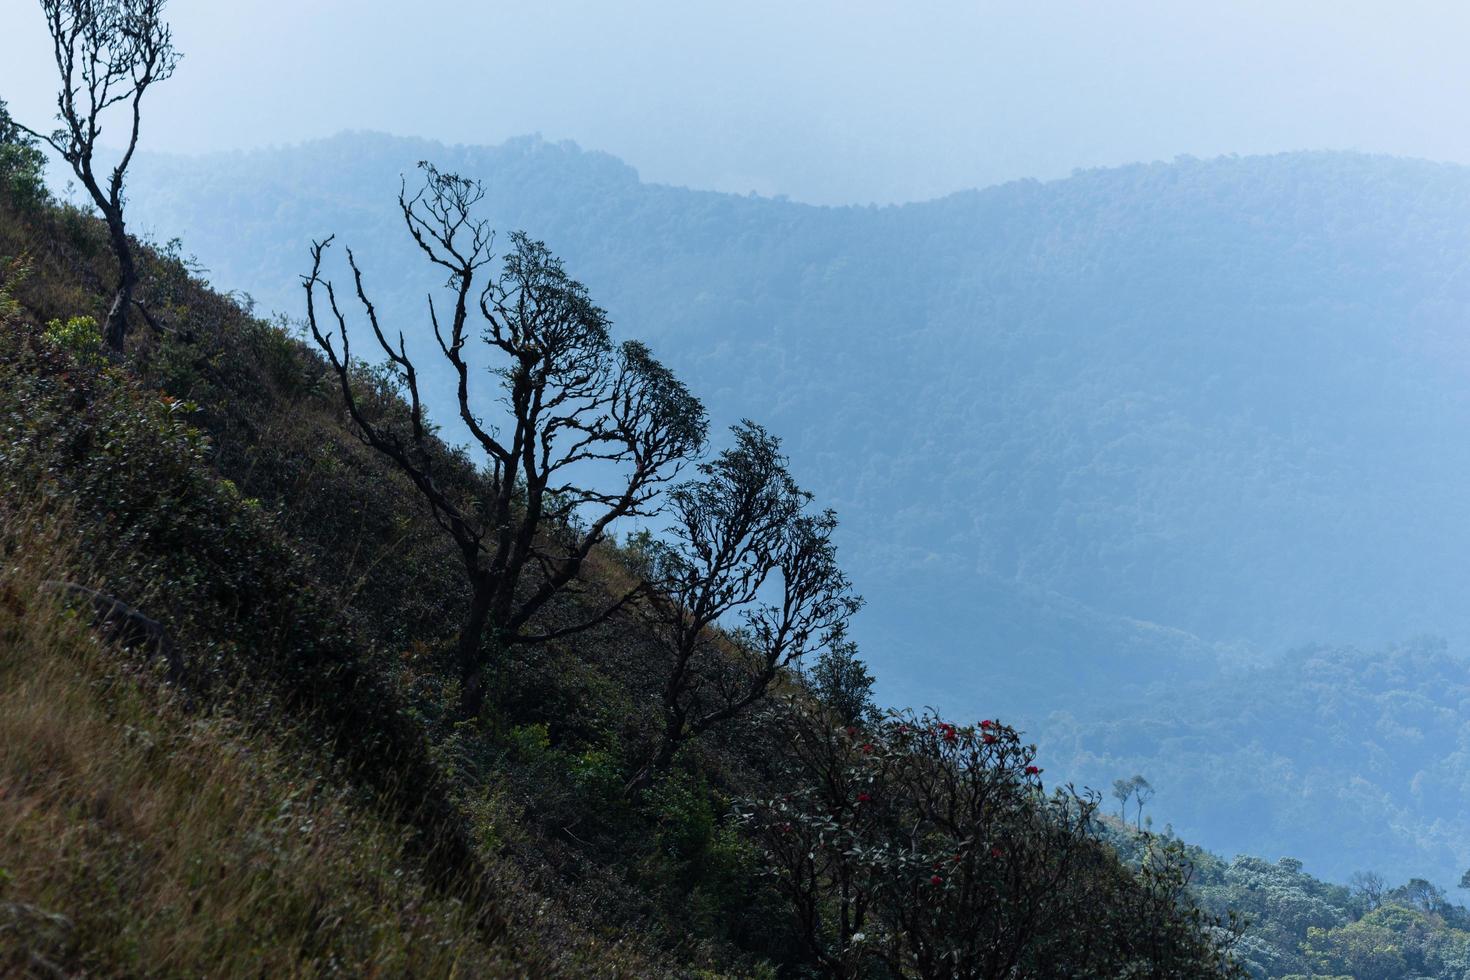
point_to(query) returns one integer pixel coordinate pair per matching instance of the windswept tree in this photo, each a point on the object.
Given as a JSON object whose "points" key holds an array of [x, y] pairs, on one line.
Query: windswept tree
{"points": [[108, 54], [744, 546], [1138, 790], [591, 433]]}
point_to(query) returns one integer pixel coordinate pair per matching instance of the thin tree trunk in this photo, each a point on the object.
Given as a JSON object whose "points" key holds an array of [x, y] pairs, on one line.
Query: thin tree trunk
{"points": [[661, 759], [116, 329], [471, 639]]}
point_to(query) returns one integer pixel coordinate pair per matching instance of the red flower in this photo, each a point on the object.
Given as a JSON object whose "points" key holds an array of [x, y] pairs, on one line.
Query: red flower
{"points": [[987, 723], [851, 731], [936, 880], [867, 748], [864, 798], [996, 852], [988, 739], [1032, 771], [957, 858]]}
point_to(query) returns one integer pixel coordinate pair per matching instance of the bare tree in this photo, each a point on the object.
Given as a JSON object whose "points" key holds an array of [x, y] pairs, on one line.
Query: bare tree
{"points": [[108, 53], [572, 398], [1369, 888], [740, 531]]}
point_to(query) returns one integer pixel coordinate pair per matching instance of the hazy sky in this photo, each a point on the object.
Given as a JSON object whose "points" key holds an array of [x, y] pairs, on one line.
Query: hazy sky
{"points": [[823, 100]]}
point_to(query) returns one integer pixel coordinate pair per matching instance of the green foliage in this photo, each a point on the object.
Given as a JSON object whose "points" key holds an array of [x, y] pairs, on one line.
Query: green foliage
{"points": [[22, 164], [1327, 753], [841, 681], [685, 818], [13, 273], [79, 336], [529, 744], [1300, 926]]}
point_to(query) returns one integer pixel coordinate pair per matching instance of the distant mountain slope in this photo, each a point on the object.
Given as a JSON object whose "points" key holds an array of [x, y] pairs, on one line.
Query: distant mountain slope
{"points": [[1226, 397], [1350, 760]]}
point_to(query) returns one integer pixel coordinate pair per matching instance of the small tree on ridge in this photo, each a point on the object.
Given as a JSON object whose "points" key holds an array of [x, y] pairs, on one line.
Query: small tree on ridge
{"points": [[108, 53]]}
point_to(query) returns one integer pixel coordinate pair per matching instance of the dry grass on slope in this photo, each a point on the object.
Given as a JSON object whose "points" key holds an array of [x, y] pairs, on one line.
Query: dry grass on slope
{"points": [[138, 840]]}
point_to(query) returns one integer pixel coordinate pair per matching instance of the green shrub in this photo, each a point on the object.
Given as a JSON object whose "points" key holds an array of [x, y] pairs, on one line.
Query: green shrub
{"points": [[79, 337], [22, 164]]}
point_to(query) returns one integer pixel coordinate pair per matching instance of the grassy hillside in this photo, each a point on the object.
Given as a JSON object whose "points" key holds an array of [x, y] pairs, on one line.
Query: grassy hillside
{"points": [[296, 796], [140, 839], [296, 762]]}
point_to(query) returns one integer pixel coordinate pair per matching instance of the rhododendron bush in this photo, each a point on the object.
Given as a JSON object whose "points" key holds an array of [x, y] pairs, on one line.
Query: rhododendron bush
{"points": [[917, 847]]}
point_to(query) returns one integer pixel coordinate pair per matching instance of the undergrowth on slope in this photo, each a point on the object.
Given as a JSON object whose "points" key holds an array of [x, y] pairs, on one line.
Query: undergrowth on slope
{"points": [[138, 839]]}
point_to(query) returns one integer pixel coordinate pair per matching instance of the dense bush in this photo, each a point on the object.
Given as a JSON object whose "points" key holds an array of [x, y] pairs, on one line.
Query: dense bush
{"points": [[916, 847]]}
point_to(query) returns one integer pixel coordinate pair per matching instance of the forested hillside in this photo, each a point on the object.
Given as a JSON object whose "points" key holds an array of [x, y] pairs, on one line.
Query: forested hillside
{"points": [[1100, 444], [1351, 760], [1304, 928]]}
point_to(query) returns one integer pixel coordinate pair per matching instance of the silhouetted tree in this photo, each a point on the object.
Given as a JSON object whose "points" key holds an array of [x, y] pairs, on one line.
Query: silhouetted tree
{"points": [[842, 683], [741, 532], [572, 398], [1369, 888], [108, 53]]}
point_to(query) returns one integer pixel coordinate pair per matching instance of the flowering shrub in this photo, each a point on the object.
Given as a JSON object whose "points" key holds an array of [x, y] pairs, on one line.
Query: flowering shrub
{"points": [[922, 848]]}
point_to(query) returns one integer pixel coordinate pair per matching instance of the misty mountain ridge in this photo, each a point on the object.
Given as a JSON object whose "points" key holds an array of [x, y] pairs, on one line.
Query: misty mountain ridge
{"points": [[1179, 308], [1133, 433]]}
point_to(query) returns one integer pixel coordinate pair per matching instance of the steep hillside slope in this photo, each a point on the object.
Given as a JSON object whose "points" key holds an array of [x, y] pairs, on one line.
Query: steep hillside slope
{"points": [[296, 794], [1083, 434]]}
